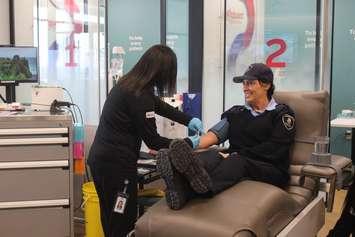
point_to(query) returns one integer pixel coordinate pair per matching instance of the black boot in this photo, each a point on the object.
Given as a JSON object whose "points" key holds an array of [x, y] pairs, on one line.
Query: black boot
{"points": [[183, 160], [177, 190]]}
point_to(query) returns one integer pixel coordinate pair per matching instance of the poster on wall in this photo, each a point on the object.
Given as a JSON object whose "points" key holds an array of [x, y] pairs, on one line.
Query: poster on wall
{"points": [[290, 42], [278, 33], [133, 26], [244, 42]]}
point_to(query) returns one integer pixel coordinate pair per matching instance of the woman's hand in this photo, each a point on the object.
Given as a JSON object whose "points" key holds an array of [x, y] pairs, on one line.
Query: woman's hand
{"points": [[195, 125]]}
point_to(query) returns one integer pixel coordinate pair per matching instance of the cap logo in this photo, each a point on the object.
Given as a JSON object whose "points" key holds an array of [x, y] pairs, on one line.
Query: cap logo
{"points": [[249, 68], [288, 121]]}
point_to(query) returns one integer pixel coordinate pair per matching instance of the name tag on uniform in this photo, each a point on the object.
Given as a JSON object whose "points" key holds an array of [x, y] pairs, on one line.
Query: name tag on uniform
{"points": [[121, 202], [150, 114]]}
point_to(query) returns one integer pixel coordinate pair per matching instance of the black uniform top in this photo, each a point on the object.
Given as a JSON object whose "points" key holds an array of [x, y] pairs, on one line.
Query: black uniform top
{"points": [[126, 120], [267, 137]]}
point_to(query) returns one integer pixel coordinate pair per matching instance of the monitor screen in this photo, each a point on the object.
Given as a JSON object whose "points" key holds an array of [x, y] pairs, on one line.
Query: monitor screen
{"points": [[18, 64]]}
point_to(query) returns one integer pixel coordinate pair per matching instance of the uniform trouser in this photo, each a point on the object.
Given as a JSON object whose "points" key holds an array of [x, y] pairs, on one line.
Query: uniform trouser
{"points": [[346, 223], [344, 226], [108, 182], [224, 173]]}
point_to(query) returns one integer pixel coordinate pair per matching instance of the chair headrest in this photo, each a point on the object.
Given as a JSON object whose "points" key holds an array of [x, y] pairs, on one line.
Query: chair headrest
{"points": [[311, 110]]}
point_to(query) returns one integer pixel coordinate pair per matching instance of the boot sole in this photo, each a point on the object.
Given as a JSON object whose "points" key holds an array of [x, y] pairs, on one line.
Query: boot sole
{"points": [[172, 195], [183, 160]]}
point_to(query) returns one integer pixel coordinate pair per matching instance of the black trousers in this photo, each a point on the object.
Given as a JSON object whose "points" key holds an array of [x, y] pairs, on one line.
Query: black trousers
{"points": [[346, 222], [108, 182], [225, 173]]}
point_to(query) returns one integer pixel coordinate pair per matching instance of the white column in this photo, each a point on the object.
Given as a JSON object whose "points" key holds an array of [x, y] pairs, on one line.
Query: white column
{"points": [[24, 22], [213, 62], [4, 22], [4, 29]]}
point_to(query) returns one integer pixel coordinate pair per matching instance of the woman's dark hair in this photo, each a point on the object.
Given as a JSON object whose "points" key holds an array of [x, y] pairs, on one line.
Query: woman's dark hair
{"points": [[156, 68]]}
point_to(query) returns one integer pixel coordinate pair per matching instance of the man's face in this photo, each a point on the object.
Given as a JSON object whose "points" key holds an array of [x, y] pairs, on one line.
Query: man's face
{"points": [[254, 90]]}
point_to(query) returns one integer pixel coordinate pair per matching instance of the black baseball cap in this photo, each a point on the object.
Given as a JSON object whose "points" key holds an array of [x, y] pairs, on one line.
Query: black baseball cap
{"points": [[256, 71]]}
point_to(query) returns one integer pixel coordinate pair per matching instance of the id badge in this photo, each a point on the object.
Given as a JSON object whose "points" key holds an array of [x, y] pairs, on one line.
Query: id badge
{"points": [[121, 202]]}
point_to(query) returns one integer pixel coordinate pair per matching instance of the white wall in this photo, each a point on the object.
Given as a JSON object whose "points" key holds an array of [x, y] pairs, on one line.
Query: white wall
{"points": [[4, 22], [24, 32], [23, 36], [212, 88], [24, 22], [4, 29]]}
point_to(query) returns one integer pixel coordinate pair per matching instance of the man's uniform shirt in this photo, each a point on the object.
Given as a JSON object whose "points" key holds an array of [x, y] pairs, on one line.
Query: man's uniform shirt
{"points": [[264, 136]]}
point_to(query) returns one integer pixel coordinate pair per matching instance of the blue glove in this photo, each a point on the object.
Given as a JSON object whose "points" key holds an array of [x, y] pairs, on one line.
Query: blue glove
{"points": [[195, 125], [195, 140]]}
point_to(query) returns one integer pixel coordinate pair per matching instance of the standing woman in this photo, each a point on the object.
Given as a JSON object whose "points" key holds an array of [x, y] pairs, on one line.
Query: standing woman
{"points": [[128, 117]]}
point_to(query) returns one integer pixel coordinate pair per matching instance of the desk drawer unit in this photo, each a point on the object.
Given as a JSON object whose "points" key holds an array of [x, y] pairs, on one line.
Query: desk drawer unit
{"points": [[34, 144], [34, 184], [35, 221], [36, 180]]}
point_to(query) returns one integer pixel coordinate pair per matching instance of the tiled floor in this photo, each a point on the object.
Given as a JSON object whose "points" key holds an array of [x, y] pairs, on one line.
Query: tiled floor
{"points": [[330, 218]]}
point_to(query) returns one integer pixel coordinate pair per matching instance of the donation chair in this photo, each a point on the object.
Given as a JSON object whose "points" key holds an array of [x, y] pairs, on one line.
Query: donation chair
{"points": [[252, 208]]}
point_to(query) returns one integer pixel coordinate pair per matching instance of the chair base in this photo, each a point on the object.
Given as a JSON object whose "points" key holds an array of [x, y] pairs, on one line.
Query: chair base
{"points": [[308, 222]]}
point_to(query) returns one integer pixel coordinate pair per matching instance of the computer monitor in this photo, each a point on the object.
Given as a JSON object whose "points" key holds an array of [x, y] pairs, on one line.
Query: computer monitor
{"points": [[17, 65]]}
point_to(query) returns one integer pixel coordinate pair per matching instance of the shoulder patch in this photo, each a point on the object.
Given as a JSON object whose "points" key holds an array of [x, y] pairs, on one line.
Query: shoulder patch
{"points": [[150, 114], [288, 121]]}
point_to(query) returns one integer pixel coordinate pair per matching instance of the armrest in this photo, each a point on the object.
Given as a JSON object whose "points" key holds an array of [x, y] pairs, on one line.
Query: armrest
{"points": [[318, 171], [328, 173], [340, 164]]}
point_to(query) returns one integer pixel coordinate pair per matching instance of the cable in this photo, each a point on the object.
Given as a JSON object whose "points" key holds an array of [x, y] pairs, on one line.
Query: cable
{"points": [[55, 104], [81, 115], [2, 98], [66, 106], [72, 114], [86, 177], [86, 166], [71, 98]]}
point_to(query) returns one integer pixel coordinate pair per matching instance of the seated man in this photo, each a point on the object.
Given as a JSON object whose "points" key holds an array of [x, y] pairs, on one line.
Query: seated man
{"points": [[260, 134]]}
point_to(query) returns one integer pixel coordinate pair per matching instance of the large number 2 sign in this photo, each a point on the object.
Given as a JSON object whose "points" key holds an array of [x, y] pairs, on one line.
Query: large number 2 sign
{"points": [[282, 48]]}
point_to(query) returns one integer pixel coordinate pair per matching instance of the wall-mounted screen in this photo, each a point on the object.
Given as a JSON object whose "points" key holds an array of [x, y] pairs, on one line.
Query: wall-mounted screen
{"points": [[18, 64]]}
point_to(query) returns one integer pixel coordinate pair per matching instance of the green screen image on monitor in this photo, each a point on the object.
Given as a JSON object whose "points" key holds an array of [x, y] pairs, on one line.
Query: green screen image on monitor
{"points": [[18, 64]]}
